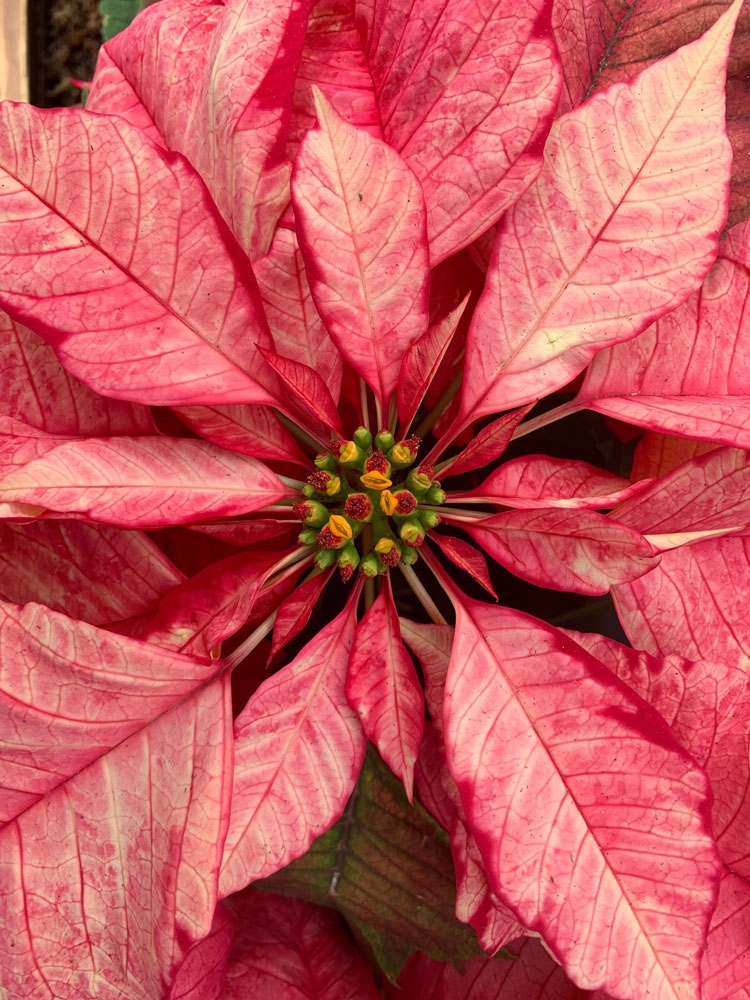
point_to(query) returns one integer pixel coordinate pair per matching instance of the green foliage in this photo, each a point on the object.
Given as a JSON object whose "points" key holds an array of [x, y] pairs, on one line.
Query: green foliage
{"points": [[386, 866], [117, 15]]}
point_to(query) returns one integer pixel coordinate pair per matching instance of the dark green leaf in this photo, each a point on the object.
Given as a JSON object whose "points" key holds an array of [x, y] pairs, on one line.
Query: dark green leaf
{"points": [[387, 867], [117, 14]]}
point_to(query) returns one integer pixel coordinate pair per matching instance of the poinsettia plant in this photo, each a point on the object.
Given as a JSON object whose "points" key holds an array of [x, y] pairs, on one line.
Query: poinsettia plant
{"points": [[291, 312]]}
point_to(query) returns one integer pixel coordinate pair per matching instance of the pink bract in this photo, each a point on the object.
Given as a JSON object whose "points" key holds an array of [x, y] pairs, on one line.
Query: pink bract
{"points": [[289, 313]]}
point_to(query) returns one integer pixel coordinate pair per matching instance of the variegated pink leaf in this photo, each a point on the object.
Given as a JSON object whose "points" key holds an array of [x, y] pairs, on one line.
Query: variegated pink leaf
{"points": [[726, 962], [486, 446], [590, 256], [658, 611], [143, 482], [427, 777], [114, 252], [707, 706], [296, 327], [334, 61], [248, 532], [298, 750], [203, 973], [110, 93], [108, 882], [420, 364], [532, 975], [35, 389], [249, 430], [618, 39], [578, 550], [580, 800], [538, 481], [383, 689], [229, 115], [492, 72], [466, 557], [360, 216], [705, 496], [71, 693], [88, 571], [688, 373], [290, 949]]}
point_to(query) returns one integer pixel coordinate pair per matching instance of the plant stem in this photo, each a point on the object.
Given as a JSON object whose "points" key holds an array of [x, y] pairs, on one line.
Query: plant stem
{"points": [[422, 596]]}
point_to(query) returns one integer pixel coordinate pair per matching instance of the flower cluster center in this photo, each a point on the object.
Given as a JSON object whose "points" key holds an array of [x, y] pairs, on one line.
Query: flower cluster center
{"points": [[368, 505]]}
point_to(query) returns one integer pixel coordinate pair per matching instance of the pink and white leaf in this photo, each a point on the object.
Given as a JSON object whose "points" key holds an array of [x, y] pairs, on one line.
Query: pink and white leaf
{"points": [[289, 948], [249, 430], [581, 801], [657, 453], [539, 481], [486, 446], [35, 389], [203, 973], [109, 881], [99, 224], [704, 496], [578, 550], [726, 962], [298, 331], [72, 692], [299, 748], [143, 482], [657, 611], [334, 61], [88, 571], [688, 373], [428, 784], [492, 72], [592, 254], [361, 227], [383, 689]]}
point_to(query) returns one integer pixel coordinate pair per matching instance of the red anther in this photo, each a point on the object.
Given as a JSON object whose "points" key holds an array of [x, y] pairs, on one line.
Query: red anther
{"points": [[377, 462], [336, 444], [345, 572], [390, 558], [425, 470], [407, 502], [300, 509], [327, 539], [412, 443], [319, 480], [357, 507]]}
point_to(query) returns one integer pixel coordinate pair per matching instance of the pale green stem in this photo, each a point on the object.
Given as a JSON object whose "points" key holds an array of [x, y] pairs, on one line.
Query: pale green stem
{"points": [[312, 441], [293, 484], [248, 645], [457, 513], [529, 426], [363, 403], [422, 596], [441, 404]]}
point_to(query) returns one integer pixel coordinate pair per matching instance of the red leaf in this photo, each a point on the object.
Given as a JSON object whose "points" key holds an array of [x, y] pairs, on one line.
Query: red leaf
{"points": [[294, 612], [307, 388], [493, 74], [143, 482], [467, 558], [202, 974], [485, 446], [580, 800], [576, 550], [360, 215], [160, 312], [290, 949], [298, 751], [383, 689], [585, 258], [687, 374], [726, 962]]}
